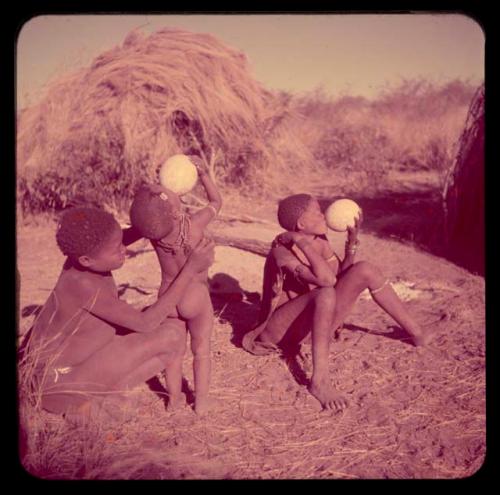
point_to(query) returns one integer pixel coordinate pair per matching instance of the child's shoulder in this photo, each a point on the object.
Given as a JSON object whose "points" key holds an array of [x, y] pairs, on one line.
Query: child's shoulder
{"points": [[79, 285]]}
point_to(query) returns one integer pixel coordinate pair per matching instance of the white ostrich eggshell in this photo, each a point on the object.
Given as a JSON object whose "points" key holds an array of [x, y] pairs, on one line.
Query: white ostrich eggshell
{"points": [[342, 214], [178, 174]]}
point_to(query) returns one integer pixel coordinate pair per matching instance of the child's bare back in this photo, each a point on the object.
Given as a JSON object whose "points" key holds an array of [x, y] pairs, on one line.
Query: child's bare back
{"points": [[157, 212], [172, 256], [72, 333]]}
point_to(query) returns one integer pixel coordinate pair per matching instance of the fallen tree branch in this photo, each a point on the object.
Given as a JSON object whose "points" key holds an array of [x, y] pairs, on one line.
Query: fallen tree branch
{"points": [[244, 219], [252, 245]]}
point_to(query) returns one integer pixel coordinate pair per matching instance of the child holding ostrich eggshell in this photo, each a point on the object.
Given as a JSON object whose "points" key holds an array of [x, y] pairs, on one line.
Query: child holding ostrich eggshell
{"points": [[309, 290], [157, 213], [179, 174], [342, 214]]}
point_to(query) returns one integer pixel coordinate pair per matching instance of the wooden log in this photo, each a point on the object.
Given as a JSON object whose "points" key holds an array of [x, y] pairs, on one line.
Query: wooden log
{"points": [[244, 219], [255, 246]]}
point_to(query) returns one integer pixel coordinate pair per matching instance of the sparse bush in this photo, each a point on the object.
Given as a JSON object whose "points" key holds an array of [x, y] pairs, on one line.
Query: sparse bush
{"points": [[412, 127], [102, 130]]}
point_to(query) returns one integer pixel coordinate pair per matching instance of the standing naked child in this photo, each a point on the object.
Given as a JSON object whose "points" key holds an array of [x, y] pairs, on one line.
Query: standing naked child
{"points": [[157, 213], [76, 348]]}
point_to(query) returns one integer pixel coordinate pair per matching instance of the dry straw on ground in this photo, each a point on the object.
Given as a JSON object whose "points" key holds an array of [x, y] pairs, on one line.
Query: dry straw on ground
{"points": [[412, 414]]}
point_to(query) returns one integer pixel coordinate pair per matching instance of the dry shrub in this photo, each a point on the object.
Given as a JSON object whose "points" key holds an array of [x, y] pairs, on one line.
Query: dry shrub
{"points": [[424, 121], [410, 127], [101, 130]]}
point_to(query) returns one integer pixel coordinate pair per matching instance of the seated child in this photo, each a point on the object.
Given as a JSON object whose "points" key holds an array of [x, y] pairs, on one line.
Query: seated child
{"points": [[76, 354], [157, 214], [309, 290]]}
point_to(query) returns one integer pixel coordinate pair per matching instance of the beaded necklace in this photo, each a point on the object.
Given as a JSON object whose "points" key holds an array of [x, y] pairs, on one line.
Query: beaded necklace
{"points": [[180, 242]]}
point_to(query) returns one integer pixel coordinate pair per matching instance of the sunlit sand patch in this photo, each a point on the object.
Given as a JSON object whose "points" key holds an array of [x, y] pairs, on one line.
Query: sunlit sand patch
{"points": [[405, 290]]}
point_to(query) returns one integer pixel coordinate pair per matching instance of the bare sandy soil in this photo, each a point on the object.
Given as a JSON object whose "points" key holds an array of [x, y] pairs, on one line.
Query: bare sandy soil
{"points": [[413, 413]]}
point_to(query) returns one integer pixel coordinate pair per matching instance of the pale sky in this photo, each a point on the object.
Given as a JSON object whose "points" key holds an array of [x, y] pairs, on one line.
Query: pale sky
{"points": [[355, 54]]}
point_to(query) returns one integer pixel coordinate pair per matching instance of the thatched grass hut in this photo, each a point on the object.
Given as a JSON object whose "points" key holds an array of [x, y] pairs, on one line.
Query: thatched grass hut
{"points": [[463, 193], [101, 130]]}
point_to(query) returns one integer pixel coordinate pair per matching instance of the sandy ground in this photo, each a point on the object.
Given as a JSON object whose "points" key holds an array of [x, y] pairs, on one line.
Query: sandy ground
{"points": [[412, 413]]}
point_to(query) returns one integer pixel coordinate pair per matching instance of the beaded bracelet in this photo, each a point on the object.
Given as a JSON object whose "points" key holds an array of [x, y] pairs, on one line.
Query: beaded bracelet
{"points": [[352, 247]]}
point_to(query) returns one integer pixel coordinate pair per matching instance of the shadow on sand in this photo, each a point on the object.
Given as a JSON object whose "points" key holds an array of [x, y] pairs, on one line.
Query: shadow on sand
{"points": [[397, 333], [156, 386], [234, 305]]}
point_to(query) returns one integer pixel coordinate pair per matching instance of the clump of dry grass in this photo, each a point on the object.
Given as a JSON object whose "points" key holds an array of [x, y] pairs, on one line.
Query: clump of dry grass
{"points": [[102, 129], [406, 419], [411, 127]]}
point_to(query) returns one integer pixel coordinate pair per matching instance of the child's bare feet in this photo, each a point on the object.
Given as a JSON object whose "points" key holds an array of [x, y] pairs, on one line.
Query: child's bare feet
{"points": [[176, 403], [328, 397], [203, 405]]}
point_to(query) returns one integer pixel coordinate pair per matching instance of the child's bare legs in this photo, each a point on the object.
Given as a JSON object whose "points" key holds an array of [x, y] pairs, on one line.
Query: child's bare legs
{"points": [[200, 329], [292, 322], [363, 275], [324, 306], [173, 370], [196, 308], [112, 368]]}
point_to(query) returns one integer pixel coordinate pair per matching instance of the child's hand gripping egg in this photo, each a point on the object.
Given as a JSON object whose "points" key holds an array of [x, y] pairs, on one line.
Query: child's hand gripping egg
{"points": [[342, 214], [178, 174]]}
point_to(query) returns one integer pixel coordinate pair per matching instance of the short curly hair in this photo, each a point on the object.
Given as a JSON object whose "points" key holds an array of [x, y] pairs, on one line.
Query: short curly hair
{"points": [[81, 230], [151, 214], [291, 208]]}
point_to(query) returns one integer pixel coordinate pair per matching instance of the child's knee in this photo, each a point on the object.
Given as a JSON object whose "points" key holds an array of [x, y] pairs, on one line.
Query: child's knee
{"points": [[325, 298], [367, 272], [200, 345]]}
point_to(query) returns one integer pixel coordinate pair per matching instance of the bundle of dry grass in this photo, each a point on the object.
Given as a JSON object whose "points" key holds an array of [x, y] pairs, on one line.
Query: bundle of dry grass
{"points": [[463, 194], [102, 129]]}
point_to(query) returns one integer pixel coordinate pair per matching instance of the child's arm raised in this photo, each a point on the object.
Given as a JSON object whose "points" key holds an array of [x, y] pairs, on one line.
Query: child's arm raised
{"points": [[207, 214], [110, 308]]}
